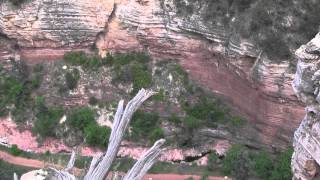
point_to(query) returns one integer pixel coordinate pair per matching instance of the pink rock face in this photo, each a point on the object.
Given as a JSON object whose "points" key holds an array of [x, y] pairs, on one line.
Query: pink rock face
{"points": [[268, 103], [257, 89]]}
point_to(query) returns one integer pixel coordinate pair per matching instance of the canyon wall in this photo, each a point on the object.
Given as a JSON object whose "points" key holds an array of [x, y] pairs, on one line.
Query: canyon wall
{"points": [[229, 66], [306, 157]]}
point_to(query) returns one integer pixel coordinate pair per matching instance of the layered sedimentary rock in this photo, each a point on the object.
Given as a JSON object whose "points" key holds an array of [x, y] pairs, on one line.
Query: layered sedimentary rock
{"points": [[306, 157], [224, 63]]}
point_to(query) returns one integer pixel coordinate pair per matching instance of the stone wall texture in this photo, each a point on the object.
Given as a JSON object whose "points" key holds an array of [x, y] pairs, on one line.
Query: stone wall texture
{"points": [[226, 64], [306, 157]]}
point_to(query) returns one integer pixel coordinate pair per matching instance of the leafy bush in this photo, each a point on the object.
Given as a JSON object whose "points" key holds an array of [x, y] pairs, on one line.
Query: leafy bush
{"points": [[282, 167], [132, 67], [191, 122], [263, 165], [121, 59], [15, 96], [72, 78], [75, 58], [14, 150], [80, 118], [142, 78], [236, 162], [96, 135], [182, 74], [108, 60], [156, 134], [206, 110], [145, 125], [46, 118], [237, 121]]}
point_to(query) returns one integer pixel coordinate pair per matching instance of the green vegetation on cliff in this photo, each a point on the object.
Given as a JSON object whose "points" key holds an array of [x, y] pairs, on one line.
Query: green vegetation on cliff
{"points": [[276, 26], [242, 163]]}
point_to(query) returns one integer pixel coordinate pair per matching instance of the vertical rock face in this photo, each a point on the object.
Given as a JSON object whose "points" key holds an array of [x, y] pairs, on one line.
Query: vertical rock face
{"points": [[306, 157], [55, 23]]}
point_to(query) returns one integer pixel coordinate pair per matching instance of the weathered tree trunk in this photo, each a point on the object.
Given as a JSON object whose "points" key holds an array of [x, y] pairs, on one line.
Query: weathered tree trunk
{"points": [[145, 162], [101, 164]]}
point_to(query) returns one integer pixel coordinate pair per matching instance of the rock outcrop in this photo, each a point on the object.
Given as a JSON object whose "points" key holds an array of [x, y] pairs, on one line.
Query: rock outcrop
{"points": [[306, 157], [225, 63]]}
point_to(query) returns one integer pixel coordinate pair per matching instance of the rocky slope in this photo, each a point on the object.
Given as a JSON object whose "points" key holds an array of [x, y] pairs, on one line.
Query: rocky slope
{"points": [[231, 67], [306, 160]]}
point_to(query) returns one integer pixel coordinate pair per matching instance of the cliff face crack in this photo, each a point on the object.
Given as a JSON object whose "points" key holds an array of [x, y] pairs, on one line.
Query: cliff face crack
{"points": [[191, 159], [101, 36]]}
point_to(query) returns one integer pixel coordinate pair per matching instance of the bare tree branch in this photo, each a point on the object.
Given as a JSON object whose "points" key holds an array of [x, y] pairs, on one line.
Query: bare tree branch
{"points": [[61, 175], [71, 161], [101, 164], [121, 121], [141, 167]]}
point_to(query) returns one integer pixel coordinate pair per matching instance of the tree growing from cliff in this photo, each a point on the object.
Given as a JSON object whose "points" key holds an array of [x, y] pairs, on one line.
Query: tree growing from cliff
{"points": [[101, 164]]}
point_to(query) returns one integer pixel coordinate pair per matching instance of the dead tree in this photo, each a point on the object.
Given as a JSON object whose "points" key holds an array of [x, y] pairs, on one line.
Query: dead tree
{"points": [[101, 164]]}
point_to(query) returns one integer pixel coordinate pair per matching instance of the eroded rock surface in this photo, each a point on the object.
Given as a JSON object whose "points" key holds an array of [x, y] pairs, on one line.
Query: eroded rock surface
{"points": [[225, 63], [306, 157]]}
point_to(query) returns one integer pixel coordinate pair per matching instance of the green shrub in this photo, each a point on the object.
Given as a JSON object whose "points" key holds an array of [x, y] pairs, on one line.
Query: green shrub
{"points": [[132, 67], [191, 122], [282, 166], [37, 76], [36, 82], [156, 134], [236, 162], [96, 135], [72, 79], [80, 118], [47, 153], [108, 60], [93, 63], [263, 165], [14, 150], [75, 58], [182, 74], [46, 118], [206, 110], [237, 121], [15, 92], [142, 77], [145, 126]]}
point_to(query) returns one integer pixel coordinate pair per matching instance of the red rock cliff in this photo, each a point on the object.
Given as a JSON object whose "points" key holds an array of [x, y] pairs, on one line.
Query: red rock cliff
{"points": [[233, 68]]}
